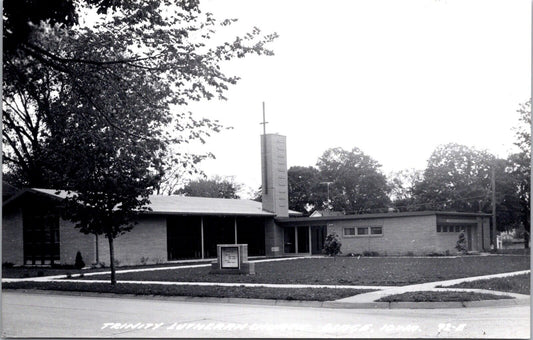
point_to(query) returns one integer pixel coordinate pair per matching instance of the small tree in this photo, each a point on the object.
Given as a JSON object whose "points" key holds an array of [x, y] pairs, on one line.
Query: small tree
{"points": [[332, 246], [461, 243], [79, 264]]}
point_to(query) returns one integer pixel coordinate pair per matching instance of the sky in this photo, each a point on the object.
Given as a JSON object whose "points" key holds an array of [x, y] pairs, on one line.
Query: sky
{"points": [[393, 78]]}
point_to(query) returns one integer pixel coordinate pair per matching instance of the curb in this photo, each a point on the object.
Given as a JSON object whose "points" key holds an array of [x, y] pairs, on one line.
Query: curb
{"points": [[293, 303]]}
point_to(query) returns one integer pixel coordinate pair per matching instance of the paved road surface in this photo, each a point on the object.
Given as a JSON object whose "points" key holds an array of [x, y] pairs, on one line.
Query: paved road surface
{"points": [[48, 315]]}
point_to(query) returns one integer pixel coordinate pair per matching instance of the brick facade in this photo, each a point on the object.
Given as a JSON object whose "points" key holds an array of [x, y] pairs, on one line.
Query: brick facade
{"points": [[416, 235], [146, 241], [71, 241], [12, 239]]}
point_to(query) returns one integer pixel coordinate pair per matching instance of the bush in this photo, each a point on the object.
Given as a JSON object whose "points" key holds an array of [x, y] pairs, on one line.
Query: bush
{"points": [[332, 245], [461, 243], [79, 264], [370, 253], [7, 264]]}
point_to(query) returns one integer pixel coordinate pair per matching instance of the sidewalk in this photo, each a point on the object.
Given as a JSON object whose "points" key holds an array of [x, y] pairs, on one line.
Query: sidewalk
{"points": [[429, 286]]}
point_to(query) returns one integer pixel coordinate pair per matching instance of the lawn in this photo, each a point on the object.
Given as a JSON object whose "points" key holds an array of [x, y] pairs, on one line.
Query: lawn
{"points": [[23, 272], [514, 284], [303, 294], [347, 271], [430, 296]]}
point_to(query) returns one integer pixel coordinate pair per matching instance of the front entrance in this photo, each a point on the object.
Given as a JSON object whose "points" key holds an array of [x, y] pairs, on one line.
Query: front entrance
{"points": [[318, 237], [296, 240]]}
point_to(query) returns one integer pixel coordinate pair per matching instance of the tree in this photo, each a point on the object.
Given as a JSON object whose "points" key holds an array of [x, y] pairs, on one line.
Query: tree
{"points": [[456, 178], [216, 187], [305, 192], [153, 55], [402, 183], [358, 184], [96, 107], [521, 167]]}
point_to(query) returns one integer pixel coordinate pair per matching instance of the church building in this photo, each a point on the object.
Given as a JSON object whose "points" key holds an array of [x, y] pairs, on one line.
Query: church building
{"points": [[180, 227]]}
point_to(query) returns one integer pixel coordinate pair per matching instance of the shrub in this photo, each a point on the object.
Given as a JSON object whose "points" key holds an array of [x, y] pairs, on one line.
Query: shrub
{"points": [[332, 245], [461, 243], [7, 264], [410, 253], [40, 273], [144, 260], [79, 261], [370, 253]]}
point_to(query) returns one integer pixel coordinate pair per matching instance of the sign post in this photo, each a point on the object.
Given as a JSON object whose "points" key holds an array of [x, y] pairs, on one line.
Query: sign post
{"points": [[232, 259]]}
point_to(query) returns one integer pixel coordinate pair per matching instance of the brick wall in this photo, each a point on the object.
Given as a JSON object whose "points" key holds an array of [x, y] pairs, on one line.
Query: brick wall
{"points": [[71, 240], [415, 234], [12, 239], [147, 239]]}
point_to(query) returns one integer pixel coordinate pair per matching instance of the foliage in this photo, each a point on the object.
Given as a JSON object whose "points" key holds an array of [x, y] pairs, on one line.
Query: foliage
{"points": [[305, 191], [461, 243], [401, 184], [358, 184], [217, 187], [457, 178], [78, 263], [332, 245], [96, 108], [521, 167]]}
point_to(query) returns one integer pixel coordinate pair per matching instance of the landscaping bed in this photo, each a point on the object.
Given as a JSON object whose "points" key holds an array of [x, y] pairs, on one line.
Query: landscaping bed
{"points": [[386, 271], [430, 296], [514, 284], [302, 294]]}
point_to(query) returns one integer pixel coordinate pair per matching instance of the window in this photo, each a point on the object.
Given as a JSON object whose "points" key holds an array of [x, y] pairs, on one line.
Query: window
{"points": [[376, 230], [362, 231], [457, 228], [349, 231], [439, 229]]}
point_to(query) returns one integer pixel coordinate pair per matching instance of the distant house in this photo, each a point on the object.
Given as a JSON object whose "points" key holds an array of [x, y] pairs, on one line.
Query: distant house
{"points": [[326, 212], [177, 228]]}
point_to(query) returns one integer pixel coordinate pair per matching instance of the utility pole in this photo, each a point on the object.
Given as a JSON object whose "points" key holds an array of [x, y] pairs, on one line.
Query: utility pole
{"points": [[327, 183], [493, 186]]}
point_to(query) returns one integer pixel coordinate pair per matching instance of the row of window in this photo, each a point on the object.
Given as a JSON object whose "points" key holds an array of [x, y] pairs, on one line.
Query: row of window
{"points": [[450, 228], [362, 231]]}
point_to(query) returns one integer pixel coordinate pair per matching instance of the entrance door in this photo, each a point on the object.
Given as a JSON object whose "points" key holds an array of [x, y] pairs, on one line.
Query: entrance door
{"points": [[318, 237], [289, 235]]}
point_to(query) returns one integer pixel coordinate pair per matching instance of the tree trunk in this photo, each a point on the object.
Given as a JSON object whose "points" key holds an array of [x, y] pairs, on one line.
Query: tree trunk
{"points": [[112, 259]]}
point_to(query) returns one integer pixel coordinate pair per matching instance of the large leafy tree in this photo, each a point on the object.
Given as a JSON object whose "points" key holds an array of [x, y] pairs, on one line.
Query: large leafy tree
{"points": [[95, 108], [456, 178], [305, 191], [358, 183], [216, 187]]}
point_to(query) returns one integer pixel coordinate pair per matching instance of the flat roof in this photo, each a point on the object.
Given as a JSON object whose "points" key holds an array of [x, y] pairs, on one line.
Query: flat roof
{"points": [[284, 220], [182, 205]]}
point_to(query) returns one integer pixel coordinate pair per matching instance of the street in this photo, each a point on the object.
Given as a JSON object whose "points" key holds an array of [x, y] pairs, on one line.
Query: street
{"points": [[49, 315]]}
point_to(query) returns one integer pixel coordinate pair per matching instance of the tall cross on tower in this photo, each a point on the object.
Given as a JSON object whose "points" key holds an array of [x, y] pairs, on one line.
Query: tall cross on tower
{"points": [[264, 123], [265, 180]]}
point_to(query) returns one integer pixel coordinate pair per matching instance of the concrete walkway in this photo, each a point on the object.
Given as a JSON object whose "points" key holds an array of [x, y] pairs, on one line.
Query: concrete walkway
{"points": [[429, 286]]}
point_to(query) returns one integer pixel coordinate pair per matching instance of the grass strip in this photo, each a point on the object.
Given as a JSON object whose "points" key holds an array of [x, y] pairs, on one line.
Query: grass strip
{"points": [[302, 294], [431, 296], [514, 284]]}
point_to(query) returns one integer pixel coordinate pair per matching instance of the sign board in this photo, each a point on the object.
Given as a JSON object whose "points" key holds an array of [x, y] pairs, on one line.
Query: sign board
{"points": [[275, 248], [229, 257]]}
